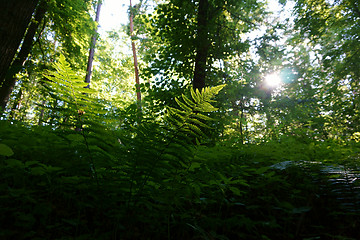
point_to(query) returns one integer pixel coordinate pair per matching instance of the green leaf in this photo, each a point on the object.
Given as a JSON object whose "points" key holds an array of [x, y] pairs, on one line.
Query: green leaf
{"points": [[29, 163], [195, 129], [75, 137], [194, 165], [194, 95], [37, 171], [88, 90], [199, 123], [261, 170], [188, 101], [300, 210], [235, 191], [5, 150], [182, 105], [14, 163], [203, 117]]}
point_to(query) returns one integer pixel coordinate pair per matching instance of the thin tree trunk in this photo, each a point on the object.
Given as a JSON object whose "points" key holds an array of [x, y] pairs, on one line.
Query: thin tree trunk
{"points": [[41, 112], [137, 80], [10, 79], [92, 47], [91, 58], [241, 122], [16, 106], [15, 16], [202, 46]]}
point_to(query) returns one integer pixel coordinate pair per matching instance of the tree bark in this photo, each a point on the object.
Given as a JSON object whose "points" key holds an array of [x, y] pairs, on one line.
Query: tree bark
{"points": [[92, 47], [15, 16], [137, 80], [202, 45], [10, 80]]}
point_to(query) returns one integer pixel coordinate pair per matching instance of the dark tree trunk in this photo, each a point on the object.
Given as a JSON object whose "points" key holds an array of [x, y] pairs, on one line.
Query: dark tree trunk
{"points": [[202, 46], [92, 47], [15, 16], [10, 80]]}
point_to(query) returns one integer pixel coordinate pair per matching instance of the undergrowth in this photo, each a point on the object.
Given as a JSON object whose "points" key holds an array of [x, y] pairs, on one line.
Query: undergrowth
{"points": [[76, 178]]}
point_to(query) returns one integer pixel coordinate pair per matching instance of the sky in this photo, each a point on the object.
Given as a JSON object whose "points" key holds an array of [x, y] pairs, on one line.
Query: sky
{"points": [[113, 14]]}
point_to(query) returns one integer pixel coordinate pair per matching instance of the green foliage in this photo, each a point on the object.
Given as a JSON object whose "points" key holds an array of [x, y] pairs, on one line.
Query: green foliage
{"points": [[73, 25], [80, 157], [172, 43], [5, 150], [189, 116], [66, 28], [71, 97], [331, 27], [154, 182], [113, 77], [281, 164], [169, 147]]}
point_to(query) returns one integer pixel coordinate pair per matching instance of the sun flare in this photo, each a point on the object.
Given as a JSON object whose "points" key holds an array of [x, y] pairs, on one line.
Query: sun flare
{"points": [[273, 80]]}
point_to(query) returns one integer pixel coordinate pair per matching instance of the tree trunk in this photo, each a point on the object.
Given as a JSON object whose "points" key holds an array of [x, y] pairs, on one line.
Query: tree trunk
{"points": [[202, 46], [15, 16], [10, 80], [92, 47], [42, 113], [137, 80], [16, 106], [241, 122]]}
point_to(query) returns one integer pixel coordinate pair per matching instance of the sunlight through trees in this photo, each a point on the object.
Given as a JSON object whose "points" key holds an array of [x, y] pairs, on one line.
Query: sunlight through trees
{"points": [[273, 80], [229, 120]]}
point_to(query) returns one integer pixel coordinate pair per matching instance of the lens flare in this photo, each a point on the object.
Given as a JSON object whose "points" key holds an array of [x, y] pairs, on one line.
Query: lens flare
{"points": [[273, 80]]}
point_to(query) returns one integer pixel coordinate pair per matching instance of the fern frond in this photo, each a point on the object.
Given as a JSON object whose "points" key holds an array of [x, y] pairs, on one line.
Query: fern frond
{"points": [[73, 107], [170, 146], [205, 106], [188, 101], [189, 112], [204, 117], [194, 95], [72, 93], [183, 105], [198, 122], [195, 130]]}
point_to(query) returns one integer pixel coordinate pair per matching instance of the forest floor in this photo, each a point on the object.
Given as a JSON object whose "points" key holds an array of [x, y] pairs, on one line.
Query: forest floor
{"points": [[286, 190]]}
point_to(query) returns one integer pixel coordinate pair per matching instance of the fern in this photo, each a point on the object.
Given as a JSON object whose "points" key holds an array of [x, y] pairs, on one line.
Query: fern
{"points": [[152, 156], [163, 151], [189, 117], [70, 92], [77, 112]]}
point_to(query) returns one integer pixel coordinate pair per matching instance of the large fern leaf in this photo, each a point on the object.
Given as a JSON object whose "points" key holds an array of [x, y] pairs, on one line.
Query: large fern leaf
{"points": [[72, 94], [75, 108], [160, 151], [191, 114]]}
